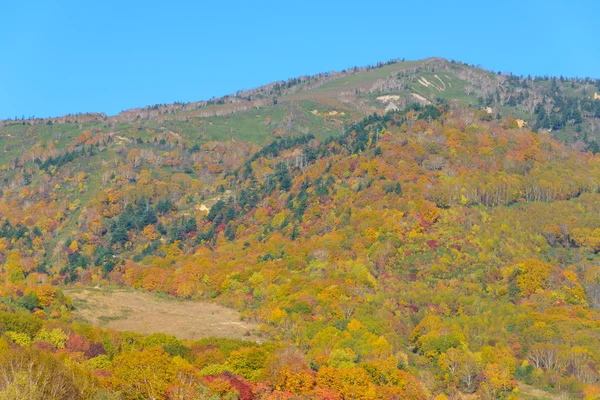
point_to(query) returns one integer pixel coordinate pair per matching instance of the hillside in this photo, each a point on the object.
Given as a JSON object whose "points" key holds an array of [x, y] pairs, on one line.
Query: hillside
{"points": [[412, 230], [322, 103]]}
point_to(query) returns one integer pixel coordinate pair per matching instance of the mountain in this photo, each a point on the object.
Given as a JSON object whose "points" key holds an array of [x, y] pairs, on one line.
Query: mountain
{"points": [[412, 230]]}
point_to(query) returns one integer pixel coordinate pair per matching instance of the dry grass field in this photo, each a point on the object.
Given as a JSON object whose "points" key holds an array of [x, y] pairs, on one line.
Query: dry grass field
{"points": [[146, 313]]}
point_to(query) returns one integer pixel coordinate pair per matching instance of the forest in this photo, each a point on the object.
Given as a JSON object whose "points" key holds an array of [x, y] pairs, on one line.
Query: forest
{"points": [[438, 251]]}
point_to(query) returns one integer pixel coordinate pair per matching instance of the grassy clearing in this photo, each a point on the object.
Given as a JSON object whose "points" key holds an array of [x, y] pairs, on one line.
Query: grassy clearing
{"points": [[257, 126], [127, 310], [366, 77], [529, 393]]}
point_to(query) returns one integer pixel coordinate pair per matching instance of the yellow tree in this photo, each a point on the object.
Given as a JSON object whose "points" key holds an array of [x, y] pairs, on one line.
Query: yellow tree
{"points": [[143, 374], [533, 275]]}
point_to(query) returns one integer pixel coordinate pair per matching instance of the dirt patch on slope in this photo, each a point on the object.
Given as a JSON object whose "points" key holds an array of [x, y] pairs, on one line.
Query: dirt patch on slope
{"points": [[146, 313], [421, 99]]}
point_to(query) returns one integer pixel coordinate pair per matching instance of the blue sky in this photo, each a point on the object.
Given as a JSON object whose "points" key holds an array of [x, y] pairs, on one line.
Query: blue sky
{"points": [[59, 57]]}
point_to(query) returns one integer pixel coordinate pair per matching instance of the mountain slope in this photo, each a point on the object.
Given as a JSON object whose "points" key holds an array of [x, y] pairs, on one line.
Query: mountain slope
{"points": [[433, 249], [572, 102]]}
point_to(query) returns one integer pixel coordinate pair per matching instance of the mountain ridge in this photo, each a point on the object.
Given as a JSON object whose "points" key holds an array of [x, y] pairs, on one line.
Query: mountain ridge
{"points": [[267, 89], [569, 108]]}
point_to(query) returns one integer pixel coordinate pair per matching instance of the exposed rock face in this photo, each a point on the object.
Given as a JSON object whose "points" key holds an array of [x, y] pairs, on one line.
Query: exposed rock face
{"points": [[388, 98], [392, 107], [420, 99]]}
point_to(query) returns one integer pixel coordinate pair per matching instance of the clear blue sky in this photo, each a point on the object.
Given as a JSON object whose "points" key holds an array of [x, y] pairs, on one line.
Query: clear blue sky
{"points": [[59, 56]]}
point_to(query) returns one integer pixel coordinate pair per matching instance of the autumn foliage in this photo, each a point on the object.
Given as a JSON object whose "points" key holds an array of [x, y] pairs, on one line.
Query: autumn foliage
{"points": [[426, 252]]}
